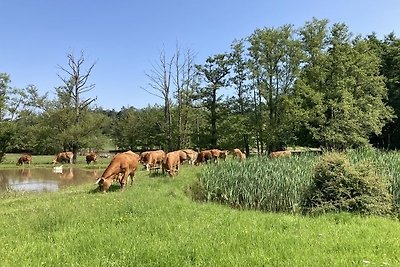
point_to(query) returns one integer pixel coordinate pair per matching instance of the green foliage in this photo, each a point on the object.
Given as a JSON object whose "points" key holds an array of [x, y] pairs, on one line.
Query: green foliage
{"points": [[339, 185], [133, 128], [215, 75], [7, 131], [274, 64], [389, 51], [4, 90], [340, 92]]}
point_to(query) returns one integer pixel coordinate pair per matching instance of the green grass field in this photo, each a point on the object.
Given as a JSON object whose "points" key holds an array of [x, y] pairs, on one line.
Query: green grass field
{"points": [[155, 222]]}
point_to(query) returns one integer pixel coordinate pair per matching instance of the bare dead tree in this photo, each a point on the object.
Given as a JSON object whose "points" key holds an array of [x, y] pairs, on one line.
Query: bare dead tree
{"points": [[183, 80], [160, 82], [75, 84]]}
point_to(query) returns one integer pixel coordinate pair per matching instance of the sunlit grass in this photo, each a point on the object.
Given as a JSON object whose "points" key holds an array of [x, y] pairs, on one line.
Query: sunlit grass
{"points": [[156, 223]]}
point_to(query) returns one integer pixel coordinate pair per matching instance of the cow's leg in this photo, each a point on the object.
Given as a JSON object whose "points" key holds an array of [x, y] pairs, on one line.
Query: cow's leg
{"points": [[148, 166], [123, 179], [132, 176]]}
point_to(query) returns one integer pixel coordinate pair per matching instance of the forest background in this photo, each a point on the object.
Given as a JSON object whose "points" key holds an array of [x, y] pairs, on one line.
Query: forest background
{"points": [[314, 86]]}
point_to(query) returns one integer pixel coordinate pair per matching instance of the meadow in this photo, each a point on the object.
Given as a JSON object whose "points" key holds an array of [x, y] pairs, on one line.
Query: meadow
{"points": [[155, 222]]}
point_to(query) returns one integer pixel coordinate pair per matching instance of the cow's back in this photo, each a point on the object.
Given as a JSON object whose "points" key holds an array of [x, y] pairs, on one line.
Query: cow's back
{"points": [[156, 156], [171, 162], [204, 155], [279, 154], [133, 159], [121, 162]]}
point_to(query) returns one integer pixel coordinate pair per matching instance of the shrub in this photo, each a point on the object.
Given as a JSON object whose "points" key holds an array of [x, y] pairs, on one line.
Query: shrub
{"points": [[339, 185]]}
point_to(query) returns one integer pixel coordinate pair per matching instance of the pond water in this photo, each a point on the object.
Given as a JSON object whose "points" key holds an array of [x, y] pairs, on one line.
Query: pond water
{"points": [[44, 179]]}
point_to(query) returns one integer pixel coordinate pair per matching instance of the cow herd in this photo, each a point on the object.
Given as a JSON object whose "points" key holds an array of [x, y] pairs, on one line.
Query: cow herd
{"points": [[62, 157], [123, 165]]}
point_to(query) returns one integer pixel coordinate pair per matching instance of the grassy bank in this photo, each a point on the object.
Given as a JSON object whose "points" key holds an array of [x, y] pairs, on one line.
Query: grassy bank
{"points": [[155, 223]]}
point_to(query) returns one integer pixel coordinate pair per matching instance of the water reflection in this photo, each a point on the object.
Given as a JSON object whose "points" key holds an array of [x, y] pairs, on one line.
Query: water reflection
{"points": [[43, 179]]}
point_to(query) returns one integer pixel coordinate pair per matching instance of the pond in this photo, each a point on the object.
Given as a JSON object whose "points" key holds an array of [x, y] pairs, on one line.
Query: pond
{"points": [[44, 179]]}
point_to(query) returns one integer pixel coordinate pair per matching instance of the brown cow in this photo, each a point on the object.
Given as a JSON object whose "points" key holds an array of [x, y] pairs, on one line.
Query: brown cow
{"points": [[216, 153], [203, 156], [24, 159], [182, 156], [63, 157], [191, 155], [278, 154], [144, 157], [224, 154], [155, 159], [91, 157], [219, 154], [238, 153], [123, 163], [171, 162]]}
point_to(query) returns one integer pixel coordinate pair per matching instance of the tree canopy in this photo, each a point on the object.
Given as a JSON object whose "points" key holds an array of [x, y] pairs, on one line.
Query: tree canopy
{"points": [[318, 85]]}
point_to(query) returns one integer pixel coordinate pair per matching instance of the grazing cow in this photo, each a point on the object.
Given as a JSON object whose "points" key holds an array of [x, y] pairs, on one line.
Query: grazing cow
{"points": [[91, 157], [216, 153], [144, 157], [279, 154], [238, 153], [63, 157], [24, 159], [191, 155], [171, 163], [224, 154], [120, 167], [155, 159], [204, 156], [219, 154], [182, 156]]}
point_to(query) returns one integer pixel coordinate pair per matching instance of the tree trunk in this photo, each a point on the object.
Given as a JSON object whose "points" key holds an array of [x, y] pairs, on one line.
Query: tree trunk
{"points": [[75, 152], [214, 118]]}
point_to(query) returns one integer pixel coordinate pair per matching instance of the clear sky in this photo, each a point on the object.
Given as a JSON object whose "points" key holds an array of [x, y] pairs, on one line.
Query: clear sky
{"points": [[125, 37]]}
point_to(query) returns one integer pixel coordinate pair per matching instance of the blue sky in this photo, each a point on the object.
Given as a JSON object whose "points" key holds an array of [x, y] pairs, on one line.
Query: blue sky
{"points": [[125, 37]]}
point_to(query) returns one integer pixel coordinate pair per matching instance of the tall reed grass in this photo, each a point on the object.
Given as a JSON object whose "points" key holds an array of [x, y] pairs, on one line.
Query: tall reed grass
{"points": [[387, 163], [259, 182], [279, 184]]}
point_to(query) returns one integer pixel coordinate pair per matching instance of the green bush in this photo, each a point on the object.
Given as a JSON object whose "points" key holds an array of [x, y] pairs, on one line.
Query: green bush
{"points": [[339, 185]]}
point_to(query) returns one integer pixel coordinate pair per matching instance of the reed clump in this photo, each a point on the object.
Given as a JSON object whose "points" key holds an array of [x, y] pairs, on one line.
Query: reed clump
{"points": [[363, 181], [258, 183]]}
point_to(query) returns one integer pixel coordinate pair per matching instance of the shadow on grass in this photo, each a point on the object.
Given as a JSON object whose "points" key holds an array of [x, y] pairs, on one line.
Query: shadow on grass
{"points": [[113, 188], [157, 174]]}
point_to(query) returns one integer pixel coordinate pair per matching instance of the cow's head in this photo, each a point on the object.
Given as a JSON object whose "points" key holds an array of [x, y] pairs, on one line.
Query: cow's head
{"points": [[104, 184]]}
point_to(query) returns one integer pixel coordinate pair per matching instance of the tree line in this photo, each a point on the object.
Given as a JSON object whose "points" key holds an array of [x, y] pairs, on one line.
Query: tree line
{"points": [[318, 85]]}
